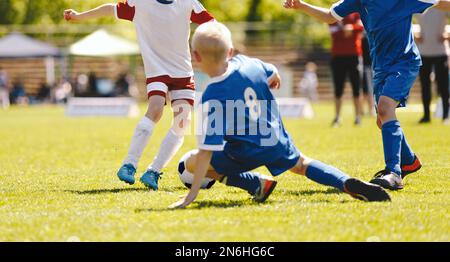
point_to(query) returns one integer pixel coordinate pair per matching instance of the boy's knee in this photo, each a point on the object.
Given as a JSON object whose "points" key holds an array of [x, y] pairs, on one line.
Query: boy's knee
{"points": [[182, 118], [386, 109], [302, 165], [181, 129], [154, 114], [383, 110], [155, 109]]}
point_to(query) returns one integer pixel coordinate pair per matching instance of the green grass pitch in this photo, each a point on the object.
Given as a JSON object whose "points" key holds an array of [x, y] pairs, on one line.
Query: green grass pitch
{"points": [[58, 183]]}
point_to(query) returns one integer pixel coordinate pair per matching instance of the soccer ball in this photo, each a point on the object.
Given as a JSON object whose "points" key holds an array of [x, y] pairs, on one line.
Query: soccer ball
{"points": [[187, 178]]}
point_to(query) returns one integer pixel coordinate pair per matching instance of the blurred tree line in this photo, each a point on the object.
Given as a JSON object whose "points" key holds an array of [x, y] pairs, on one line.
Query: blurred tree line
{"points": [[50, 12], [302, 28], [26, 12]]}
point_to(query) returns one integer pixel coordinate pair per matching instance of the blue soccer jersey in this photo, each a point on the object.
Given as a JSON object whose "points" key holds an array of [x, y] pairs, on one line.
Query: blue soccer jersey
{"points": [[389, 27], [240, 119]]}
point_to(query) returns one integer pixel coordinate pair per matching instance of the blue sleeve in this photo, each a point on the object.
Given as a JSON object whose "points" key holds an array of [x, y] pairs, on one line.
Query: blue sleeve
{"points": [[269, 69], [419, 6], [211, 122], [343, 8]]}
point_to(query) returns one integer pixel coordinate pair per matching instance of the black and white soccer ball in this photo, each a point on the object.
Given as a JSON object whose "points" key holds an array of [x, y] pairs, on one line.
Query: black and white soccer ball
{"points": [[188, 178]]}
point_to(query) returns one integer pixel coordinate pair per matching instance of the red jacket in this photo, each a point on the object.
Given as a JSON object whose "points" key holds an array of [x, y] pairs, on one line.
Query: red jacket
{"points": [[347, 46]]}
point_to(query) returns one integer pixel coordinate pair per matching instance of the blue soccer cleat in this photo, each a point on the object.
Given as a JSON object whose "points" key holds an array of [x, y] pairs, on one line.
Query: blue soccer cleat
{"points": [[150, 179], [126, 174]]}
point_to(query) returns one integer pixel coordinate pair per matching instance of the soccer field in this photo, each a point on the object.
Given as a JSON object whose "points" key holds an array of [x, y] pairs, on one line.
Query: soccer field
{"points": [[58, 183]]}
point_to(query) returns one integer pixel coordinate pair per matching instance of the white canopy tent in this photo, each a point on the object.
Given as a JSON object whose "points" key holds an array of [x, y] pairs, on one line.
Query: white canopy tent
{"points": [[17, 45], [101, 44]]}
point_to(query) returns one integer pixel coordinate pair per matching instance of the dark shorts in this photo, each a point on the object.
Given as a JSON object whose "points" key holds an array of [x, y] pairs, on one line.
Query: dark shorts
{"points": [[343, 68]]}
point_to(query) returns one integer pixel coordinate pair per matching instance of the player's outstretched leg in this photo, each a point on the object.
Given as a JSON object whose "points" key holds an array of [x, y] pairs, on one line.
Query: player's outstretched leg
{"points": [[170, 145], [257, 185], [140, 139], [331, 176]]}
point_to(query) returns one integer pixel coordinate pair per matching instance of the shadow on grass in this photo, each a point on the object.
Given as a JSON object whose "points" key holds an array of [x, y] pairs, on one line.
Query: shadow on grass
{"points": [[329, 191], [107, 191], [222, 204], [204, 204], [123, 190], [175, 188]]}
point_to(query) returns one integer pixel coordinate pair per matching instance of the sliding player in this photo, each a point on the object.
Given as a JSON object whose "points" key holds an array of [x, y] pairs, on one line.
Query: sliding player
{"points": [[231, 143]]}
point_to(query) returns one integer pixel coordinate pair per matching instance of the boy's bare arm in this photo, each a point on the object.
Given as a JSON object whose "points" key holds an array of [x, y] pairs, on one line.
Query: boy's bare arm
{"points": [[202, 163], [101, 11], [443, 5], [321, 14]]}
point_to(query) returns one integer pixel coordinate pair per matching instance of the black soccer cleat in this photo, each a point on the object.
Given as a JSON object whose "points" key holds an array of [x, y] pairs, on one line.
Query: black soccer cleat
{"points": [[365, 191], [388, 180], [414, 167]]}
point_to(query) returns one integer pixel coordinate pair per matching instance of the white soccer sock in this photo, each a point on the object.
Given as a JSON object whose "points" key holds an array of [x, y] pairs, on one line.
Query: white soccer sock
{"points": [[169, 147], [139, 141]]}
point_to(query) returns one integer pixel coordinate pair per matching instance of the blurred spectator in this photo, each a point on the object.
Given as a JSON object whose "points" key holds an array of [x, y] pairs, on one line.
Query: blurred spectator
{"points": [[81, 86], [18, 95], [4, 90], [122, 85], [309, 83], [432, 42], [126, 86], [62, 92], [367, 71], [93, 85], [346, 56], [44, 94]]}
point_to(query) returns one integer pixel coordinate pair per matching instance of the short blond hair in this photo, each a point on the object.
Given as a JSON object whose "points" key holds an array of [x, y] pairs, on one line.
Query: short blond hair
{"points": [[213, 41]]}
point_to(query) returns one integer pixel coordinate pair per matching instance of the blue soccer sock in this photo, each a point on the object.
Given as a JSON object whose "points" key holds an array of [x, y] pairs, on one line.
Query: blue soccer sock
{"points": [[407, 156], [392, 143], [326, 175], [247, 181]]}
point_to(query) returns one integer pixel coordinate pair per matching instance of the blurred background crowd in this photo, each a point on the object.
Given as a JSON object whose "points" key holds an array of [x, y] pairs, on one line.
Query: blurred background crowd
{"points": [[45, 60]]}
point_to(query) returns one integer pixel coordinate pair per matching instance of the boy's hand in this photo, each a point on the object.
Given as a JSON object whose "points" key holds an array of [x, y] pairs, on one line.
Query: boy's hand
{"points": [[201, 168], [275, 82], [183, 202], [293, 4], [71, 15]]}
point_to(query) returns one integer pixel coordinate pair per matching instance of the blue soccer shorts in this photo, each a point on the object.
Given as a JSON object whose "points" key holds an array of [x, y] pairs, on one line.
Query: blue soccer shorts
{"points": [[395, 84], [231, 162]]}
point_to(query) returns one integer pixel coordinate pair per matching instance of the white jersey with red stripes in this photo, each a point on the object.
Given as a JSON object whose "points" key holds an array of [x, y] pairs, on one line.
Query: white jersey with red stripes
{"points": [[163, 30]]}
